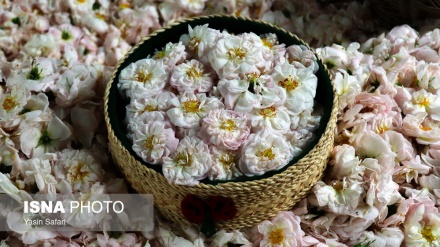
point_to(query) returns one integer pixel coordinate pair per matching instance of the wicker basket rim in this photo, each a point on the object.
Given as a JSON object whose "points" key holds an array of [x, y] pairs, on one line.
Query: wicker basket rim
{"points": [[229, 184]]}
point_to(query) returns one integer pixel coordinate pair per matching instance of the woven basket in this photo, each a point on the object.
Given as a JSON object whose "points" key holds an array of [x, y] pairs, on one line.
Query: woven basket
{"points": [[256, 198], [396, 12]]}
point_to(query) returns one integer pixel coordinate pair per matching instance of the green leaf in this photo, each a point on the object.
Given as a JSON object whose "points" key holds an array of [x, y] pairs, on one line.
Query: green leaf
{"points": [[35, 73], [364, 243]]}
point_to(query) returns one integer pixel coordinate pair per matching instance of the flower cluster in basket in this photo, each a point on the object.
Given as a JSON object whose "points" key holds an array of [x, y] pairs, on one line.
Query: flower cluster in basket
{"points": [[220, 105], [367, 198]]}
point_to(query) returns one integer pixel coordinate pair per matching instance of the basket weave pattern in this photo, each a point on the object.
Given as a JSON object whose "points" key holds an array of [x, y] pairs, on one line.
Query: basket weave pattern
{"points": [[256, 200]]}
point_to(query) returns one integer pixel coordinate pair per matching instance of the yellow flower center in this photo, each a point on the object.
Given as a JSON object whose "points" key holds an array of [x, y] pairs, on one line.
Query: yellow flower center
{"points": [[149, 142], [267, 43], [236, 53], [159, 55], [252, 77], [423, 102], [191, 106], [428, 235], [382, 128], [424, 128], [143, 76], [78, 172], [293, 59], [149, 108], [100, 16], [227, 161], [269, 112], [416, 81], [9, 103], [276, 236], [124, 5], [81, 1], [289, 83], [228, 125], [194, 44], [267, 154], [194, 72], [338, 186], [183, 159]]}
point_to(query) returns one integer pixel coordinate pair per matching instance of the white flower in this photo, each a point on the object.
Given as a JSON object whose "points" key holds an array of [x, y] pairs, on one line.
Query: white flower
{"points": [[232, 55], [307, 121], [270, 52], [284, 230], [154, 141], [85, 122], [66, 34], [410, 169], [37, 140], [403, 35], [143, 78], [38, 171], [301, 56], [41, 45], [200, 39], [224, 165], [40, 75], [36, 108], [82, 6], [264, 151], [423, 101], [225, 128], [166, 237], [191, 76], [248, 91], [95, 21], [192, 6], [341, 197], [371, 145], [9, 157], [85, 218], [299, 86], [299, 141], [145, 118], [275, 118], [223, 239], [189, 164], [271, 49], [428, 75], [419, 126], [422, 225], [30, 234], [171, 55], [334, 56], [75, 85], [11, 104], [344, 163], [9, 188], [140, 106], [189, 108], [387, 236], [347, 87], [79, 168]]}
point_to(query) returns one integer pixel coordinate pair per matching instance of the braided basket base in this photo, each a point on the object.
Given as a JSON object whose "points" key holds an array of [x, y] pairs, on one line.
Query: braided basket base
{"points": [[256, 200]]}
